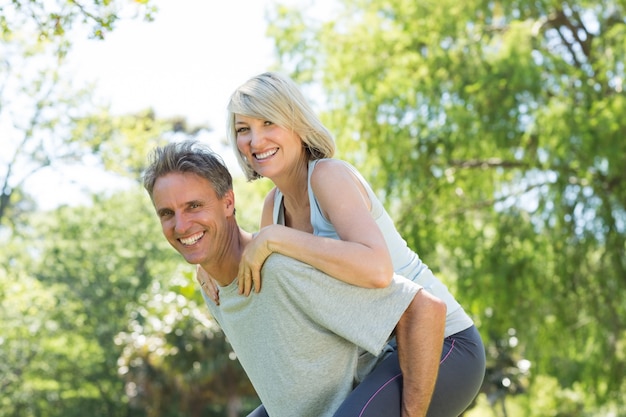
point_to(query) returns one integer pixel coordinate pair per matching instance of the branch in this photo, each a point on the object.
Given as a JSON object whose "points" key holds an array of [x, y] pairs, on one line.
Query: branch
{"points": [[102, 24], [586, 43], [6, 191], [487, 163], [493, 201], [558, 21]]}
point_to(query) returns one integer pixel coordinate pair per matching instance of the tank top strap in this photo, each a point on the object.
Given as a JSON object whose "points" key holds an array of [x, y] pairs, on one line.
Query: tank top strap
{"points": [[278, 214]]}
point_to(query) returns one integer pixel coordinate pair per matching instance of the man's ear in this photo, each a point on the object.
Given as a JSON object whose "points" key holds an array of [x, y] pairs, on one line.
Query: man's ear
{"points": [[229, 202]]}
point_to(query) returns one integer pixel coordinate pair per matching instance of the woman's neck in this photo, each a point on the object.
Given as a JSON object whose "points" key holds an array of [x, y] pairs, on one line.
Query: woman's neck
{"points": [[296, 204], [294, 184]]}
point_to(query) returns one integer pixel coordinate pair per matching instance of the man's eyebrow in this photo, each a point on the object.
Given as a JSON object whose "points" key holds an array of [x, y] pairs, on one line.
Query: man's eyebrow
{"points": [[193, 202]]}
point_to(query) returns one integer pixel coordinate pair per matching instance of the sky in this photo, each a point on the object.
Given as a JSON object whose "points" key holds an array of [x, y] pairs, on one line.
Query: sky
{"points": [[186, 63]]}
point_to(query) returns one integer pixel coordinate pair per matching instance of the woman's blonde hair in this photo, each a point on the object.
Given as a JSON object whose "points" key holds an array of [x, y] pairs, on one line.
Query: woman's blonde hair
{"points": [[276, 98]]}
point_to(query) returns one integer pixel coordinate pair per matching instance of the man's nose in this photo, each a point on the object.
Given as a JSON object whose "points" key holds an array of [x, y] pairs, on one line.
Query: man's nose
{"points": [[181, 223]]}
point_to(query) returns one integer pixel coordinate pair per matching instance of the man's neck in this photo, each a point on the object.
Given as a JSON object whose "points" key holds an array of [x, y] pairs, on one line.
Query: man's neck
{"points": [[224, 268]]}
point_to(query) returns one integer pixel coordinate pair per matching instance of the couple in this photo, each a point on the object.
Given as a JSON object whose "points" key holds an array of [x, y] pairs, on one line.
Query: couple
{"points": [[331, 329]]}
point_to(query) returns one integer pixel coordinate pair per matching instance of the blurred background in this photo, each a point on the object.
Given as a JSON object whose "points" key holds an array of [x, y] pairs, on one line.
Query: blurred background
{"points": [[495, 133]]}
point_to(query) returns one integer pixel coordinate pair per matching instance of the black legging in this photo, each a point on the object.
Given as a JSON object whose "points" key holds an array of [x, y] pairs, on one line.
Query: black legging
{"points": [[461, 373]]}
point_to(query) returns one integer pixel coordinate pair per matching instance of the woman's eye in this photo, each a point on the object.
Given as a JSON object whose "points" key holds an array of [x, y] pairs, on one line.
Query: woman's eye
{"points": [[241, 130]]}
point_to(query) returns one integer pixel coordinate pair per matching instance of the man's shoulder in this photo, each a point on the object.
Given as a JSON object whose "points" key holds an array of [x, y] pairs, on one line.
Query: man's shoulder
{"points": [[289, 273], [278, 262]]}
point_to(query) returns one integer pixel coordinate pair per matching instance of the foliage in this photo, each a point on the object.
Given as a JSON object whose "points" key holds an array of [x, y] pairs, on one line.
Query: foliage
{"points": [[494, 131], [53, 19], [70, 277], [175, 359], [42, 108], [249, 198], [68, 344], [50, 124], [69, 305]]}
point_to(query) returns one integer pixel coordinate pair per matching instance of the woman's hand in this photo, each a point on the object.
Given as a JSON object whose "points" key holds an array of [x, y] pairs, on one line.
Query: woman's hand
{"points": [[208, 284], [253, 258]]}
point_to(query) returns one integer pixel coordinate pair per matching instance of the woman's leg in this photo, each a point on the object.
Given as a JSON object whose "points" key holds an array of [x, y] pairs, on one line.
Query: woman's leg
{"points": [[259, 412], [379, 394], [461, 371]]}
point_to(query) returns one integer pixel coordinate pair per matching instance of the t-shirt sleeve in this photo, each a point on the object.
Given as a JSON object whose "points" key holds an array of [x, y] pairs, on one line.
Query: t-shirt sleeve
{"points": [[363, 316]]}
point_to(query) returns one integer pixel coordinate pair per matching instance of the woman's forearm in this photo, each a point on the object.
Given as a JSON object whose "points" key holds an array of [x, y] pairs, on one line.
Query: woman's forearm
{"points": [[352, 262]]}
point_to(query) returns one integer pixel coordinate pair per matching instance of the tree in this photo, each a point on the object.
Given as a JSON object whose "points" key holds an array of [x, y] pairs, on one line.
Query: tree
{"points": [[175, 360], [494, 131], [100, 315], [65, 296], [54, 19], [93, 263], [39, 105]]}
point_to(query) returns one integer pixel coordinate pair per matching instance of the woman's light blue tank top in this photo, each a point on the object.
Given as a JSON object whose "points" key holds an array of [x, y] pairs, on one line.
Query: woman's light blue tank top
{"points": [[405, 261]]}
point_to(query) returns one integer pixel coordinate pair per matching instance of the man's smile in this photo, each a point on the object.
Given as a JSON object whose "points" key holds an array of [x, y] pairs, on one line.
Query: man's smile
{"points": [[188, 241]]}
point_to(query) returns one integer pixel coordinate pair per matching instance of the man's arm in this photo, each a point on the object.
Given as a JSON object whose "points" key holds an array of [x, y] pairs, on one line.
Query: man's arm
{"points": [[419, 334]]}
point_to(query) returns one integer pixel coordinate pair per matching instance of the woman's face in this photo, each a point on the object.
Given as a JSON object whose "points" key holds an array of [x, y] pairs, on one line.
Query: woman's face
{"points": [[270, 149]]}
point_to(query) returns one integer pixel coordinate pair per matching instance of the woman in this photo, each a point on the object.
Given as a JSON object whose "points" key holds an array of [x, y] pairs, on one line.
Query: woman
{"points": [[323, 212]]}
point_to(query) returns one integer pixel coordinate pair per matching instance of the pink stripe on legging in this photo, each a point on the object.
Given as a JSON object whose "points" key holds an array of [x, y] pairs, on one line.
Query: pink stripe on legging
{"points": [[449, 352], [376, 393], [399, 375]]}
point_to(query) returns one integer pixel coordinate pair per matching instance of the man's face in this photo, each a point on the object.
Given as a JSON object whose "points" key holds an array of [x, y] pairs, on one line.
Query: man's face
{"points": [[194, 220]]}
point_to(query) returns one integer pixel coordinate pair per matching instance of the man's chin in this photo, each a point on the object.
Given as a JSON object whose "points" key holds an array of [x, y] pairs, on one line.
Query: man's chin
{"points": [[192, 258]]}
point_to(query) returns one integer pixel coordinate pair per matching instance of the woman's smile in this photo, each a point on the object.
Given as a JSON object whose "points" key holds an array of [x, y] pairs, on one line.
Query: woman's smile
{"points": [[265, 155]]}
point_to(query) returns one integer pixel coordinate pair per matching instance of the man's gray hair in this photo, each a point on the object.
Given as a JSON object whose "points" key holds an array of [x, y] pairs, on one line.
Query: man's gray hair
{"points": [[188, 156]]}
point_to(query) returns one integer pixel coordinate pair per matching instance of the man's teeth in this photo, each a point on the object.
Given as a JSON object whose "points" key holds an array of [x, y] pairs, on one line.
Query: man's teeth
{"points": [[265, 154], [191, 239]]}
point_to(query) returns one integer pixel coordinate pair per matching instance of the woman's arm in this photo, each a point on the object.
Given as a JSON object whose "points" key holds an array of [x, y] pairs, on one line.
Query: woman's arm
{"points": [[208, 284], [360, 257]]}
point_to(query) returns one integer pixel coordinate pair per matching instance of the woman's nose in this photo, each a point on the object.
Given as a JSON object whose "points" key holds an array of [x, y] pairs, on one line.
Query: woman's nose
{"points": [[254, 140]]}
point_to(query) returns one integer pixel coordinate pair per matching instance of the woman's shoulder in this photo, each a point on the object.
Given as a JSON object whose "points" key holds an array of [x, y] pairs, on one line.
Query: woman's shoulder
{"points": [[270, 197], [330, 166], [267, 215], [336, 175]]}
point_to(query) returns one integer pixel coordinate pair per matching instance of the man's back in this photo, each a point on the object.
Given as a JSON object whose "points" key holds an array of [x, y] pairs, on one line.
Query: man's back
{"points": [[298, 339]]}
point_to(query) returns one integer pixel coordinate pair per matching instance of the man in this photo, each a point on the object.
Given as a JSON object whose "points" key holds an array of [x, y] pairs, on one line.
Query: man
{"points": [[299, 339]]}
